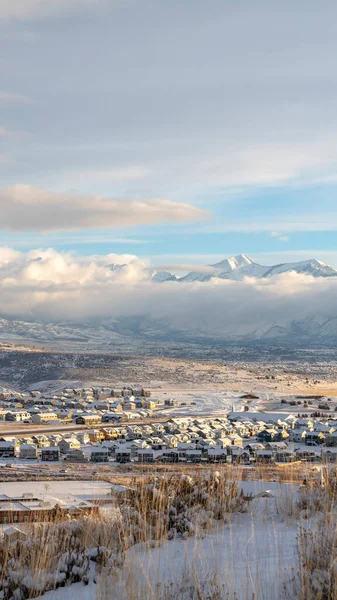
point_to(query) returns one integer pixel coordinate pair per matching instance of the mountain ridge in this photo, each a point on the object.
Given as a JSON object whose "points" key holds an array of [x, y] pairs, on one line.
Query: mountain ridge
{"points": [[238, 267]]}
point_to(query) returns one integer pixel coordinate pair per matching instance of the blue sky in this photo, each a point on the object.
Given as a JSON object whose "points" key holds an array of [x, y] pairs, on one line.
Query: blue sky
{"points": [[226, 110]]}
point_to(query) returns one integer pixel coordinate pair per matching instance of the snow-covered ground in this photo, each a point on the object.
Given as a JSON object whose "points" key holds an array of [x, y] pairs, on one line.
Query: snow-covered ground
{"points": [[210, 402], [248, 556], [251, 554], [217, 403]]}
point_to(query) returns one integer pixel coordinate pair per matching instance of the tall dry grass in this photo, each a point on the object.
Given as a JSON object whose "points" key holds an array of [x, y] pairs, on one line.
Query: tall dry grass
{"points": [[315, 575], [187, 505]]}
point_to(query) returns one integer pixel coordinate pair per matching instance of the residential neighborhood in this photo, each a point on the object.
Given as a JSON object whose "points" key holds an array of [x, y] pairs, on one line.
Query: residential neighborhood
{"points": [[120, 426]]}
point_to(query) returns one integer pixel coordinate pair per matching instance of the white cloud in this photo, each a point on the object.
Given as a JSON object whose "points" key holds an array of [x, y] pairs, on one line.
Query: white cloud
{"points": [[28, 9], [25, 208], [13, 97], [186, 267], [51, 286], [248, 110], [280, 236]]}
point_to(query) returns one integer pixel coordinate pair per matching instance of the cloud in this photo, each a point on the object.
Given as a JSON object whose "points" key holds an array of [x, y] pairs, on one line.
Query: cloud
{"points": [[29, 9], [186, 267], [9, 97], [280, 236], [244, 111], [25, 208], [47, 285]]}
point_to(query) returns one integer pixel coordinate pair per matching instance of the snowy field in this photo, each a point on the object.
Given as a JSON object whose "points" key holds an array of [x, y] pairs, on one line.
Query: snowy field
{"points": [[204, 403], [213, 402], [251, 554]]}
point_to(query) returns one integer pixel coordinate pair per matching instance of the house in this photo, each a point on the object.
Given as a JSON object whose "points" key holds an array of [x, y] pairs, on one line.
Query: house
{"points": [[184, 447], [44, 417], [314, 438], [216, 455], [82, 437], [331, 439], [111, 446], [252, 447], [41, 441], [95, 435], [69, 444], [267, 435], [170, 456], [133, 432], [102, 405], [139, 444], [50, 453], [297, 435], [75, 455], [28, 451], [157, 444], [236, 440], [276, 446], [88, 419], [193, 456], [149, 404], [17, 415], [129, 405], [264, 456], [30, 508], [284, 456], [145, 455], [99, 454], [239, 455], [7, 450], [109, 433], [123, 455], [111, 417], [329, 455], [306, 455]]}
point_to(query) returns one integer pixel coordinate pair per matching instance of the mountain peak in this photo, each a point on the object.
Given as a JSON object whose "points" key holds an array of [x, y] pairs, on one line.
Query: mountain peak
{"points": [[234, 262], [241, 266]]}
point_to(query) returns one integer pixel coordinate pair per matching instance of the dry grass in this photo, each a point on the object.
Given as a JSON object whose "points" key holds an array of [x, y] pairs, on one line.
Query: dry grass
{"points": [[315, 576], [163, 507], [176, 503]]}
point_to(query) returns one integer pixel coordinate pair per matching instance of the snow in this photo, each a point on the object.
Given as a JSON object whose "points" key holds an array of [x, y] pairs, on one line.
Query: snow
{"points": [[76, 591], [241, 266], [251, 553], [58, 489], [212, 402], [248, 554]]}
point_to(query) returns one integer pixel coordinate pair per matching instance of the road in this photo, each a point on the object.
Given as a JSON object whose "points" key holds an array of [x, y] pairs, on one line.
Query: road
{"points": [[25, 430]]}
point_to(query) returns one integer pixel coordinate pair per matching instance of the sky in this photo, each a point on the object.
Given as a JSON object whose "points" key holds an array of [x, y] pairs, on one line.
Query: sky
{"points": [[180, 132], [151, 133]]}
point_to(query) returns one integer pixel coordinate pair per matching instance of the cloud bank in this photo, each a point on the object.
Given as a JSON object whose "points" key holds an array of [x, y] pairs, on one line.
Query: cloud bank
{"points": [[49, 286], [26, 208]]}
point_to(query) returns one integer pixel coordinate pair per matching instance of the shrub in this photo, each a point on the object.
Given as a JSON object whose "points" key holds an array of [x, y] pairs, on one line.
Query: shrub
{"points": [[167, 506]]}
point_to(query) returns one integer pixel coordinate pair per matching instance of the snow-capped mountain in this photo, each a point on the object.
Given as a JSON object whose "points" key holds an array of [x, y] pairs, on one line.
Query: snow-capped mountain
{"points": [[235, 268], [241, 266], [161, 276], [313, 267], [168, 311]]}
